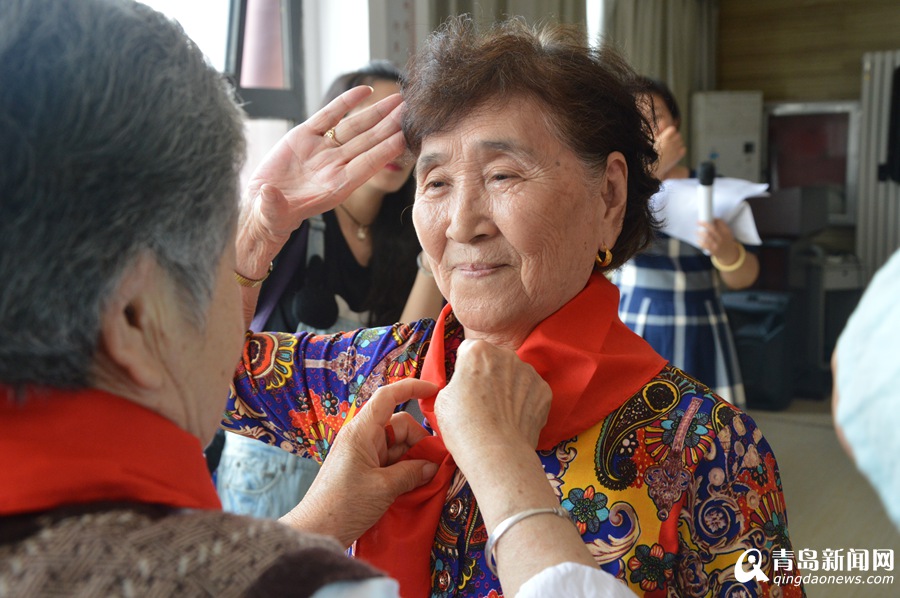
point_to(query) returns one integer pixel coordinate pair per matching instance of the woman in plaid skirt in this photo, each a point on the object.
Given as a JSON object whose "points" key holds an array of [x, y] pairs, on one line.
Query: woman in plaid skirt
{"points": [[670, 292]]}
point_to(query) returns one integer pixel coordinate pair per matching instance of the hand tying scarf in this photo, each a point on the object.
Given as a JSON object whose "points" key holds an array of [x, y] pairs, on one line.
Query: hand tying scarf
{"points": [[592, 362]]}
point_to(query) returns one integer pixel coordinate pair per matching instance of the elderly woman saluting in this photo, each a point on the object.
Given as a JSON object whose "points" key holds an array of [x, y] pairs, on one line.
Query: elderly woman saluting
{"points": [[533, 177]]}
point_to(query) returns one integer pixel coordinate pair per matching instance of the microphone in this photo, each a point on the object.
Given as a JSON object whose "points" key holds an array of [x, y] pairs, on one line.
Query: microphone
{"points": [[706, 173]]}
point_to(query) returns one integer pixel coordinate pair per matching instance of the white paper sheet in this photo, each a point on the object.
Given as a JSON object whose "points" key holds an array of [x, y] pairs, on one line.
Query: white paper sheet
{"points": [[676, 205]]}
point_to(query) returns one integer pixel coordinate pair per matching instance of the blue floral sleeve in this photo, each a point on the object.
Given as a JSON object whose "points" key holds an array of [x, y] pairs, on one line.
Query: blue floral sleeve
{"points": [[296, 391], [733, 507]]}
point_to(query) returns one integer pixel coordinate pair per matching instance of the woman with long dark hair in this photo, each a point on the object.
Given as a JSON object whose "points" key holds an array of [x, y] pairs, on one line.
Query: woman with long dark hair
{"points": [[352, 267], [367, 267]]}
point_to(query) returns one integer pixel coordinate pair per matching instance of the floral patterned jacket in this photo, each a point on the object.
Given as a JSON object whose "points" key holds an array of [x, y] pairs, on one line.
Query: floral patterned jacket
{"points": [[669, 491]]}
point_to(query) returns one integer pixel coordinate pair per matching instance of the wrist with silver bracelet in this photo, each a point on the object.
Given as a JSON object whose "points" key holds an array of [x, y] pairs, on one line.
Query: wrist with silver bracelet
{"points": [[508, 523]]}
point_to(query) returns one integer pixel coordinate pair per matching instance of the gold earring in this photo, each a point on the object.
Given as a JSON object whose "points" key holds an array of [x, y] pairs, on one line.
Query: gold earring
{"points": [[605, 260]]}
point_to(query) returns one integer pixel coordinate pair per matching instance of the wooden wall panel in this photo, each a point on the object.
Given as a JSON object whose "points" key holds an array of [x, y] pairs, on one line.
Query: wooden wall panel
{"points": [[802, 50]]}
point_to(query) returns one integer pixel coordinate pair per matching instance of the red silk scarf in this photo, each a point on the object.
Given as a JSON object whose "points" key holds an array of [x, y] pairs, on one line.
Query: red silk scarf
{"points": [[592, 362], [74, 447]]}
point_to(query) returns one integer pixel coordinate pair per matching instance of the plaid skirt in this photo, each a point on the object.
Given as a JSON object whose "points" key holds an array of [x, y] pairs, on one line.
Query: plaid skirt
{"points": [[669, 295]]}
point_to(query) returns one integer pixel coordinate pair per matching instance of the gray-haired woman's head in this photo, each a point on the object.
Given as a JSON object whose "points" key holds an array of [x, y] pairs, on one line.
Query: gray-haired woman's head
{"points": [[116, 139]]}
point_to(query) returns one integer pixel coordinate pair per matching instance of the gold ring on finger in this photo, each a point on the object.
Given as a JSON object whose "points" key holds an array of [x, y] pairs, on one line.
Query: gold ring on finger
{"points": [[331, 135]]}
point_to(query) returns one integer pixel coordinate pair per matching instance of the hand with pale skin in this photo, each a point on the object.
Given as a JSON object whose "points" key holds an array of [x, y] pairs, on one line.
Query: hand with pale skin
{"points": [[490, 416], [493, 396], [670, 147], [718, 241], [365, 462], [306, 174]]}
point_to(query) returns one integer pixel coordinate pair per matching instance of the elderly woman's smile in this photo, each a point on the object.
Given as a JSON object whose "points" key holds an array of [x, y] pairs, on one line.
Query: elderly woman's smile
{"points": [[510, 219]]}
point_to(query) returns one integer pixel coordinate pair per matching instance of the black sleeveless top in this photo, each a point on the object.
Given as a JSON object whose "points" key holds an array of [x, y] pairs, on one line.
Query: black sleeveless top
{"points": [[309, 296]]}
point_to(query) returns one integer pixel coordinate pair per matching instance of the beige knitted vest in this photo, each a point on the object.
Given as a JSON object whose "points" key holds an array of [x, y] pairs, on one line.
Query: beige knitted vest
{"points": [[143, 551]]}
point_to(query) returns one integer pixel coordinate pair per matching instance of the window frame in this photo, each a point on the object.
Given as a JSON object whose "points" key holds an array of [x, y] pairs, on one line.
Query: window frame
{"points": [[258, 103]]}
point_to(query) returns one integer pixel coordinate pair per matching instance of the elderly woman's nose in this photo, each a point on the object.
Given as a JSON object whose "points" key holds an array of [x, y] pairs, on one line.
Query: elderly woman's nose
{"points": [[470, 215]]}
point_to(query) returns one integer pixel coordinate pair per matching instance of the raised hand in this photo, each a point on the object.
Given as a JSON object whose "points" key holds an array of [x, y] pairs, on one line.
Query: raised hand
{"points": [[718, 240], [493, 397], [737, 267], [671, 149], [308, 173], [490, 416]]}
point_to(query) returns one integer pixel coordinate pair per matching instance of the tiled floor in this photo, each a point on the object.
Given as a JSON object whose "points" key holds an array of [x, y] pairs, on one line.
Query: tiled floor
{"points": [[830, 504]]}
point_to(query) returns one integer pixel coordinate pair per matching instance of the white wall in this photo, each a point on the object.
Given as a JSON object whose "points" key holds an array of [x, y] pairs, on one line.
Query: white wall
{"points": [[205, 22], [594, 17], [394, 28], [336, 41]]}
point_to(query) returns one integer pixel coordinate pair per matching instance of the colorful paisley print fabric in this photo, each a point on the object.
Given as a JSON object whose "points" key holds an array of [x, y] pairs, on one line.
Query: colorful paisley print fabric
{"points": [[668, 491]]}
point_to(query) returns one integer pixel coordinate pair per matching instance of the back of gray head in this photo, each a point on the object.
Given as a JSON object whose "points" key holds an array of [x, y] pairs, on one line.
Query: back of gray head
{"points": [[116, 139]]}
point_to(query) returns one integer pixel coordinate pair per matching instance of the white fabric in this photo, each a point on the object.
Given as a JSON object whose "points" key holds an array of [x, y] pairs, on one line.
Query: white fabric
{"points": [[868, 366], [379, 587], [574, 580], [676, 204]]}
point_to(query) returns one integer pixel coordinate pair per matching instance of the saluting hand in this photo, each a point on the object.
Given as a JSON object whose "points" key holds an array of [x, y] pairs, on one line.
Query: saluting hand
{"points": [[307, 173]]}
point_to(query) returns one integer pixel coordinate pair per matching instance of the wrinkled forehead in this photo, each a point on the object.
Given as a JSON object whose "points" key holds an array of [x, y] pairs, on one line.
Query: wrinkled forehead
{"points": [[453, 118], [497, 125]]}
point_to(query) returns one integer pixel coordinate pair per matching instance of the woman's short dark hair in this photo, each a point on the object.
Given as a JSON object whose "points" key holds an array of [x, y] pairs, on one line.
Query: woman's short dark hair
{"points": [[588, 95], [394, 242]]}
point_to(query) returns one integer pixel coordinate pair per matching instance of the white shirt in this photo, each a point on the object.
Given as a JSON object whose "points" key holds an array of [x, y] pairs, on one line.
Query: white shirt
{"points": [[572, 580], [868, 364]]}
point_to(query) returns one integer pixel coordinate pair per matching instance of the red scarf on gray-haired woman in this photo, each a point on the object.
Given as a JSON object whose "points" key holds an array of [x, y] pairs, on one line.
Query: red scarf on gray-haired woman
{"points": [[592, 362]]}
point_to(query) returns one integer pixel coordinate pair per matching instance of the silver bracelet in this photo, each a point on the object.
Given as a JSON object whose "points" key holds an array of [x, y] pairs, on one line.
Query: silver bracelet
{"points": [[422, 268], [508, 523]]}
